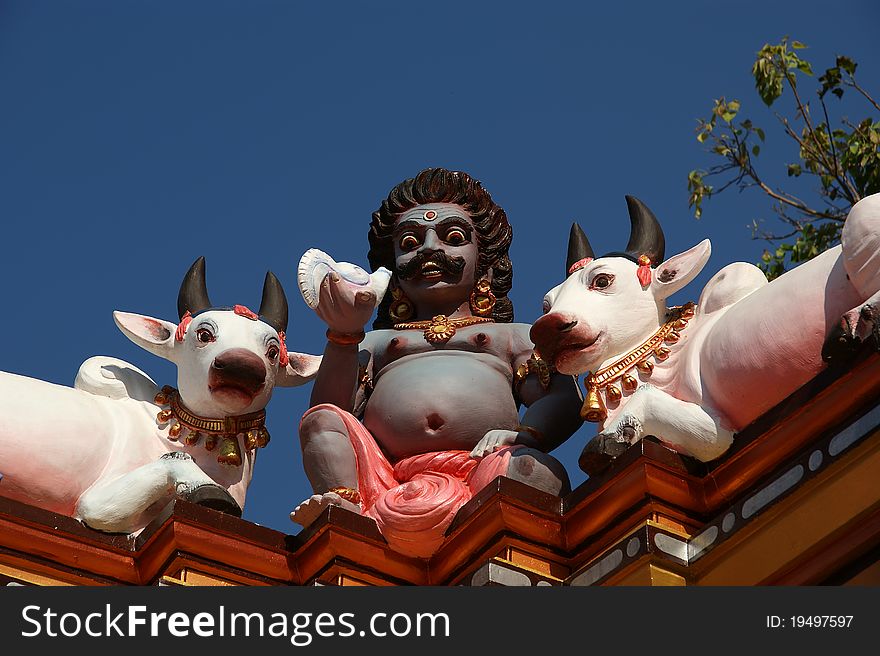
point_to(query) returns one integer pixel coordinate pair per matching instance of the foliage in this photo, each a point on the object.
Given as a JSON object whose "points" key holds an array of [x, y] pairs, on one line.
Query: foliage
{"points": [[844, 159]]}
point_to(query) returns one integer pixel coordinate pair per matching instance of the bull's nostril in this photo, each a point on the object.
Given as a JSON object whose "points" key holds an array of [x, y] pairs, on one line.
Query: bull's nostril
{"points": [[218, 365], [566, 327]]}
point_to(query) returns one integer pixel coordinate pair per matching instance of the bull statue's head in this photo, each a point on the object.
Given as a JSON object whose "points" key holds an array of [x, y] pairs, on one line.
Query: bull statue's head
{"points": [[608, 305], [228, 359]]}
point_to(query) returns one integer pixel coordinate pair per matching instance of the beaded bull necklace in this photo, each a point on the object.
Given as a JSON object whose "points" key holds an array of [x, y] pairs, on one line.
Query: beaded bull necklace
{"points": [[639, 358], [221, 434]]}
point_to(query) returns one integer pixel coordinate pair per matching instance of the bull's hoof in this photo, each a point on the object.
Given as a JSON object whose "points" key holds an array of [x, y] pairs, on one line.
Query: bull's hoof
{"points": [[855, 328], [214, 497], [600, 452], [841, 344]]}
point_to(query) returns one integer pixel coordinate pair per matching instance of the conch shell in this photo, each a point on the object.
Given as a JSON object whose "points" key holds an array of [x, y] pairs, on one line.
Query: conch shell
{"points": [[315, 265]]}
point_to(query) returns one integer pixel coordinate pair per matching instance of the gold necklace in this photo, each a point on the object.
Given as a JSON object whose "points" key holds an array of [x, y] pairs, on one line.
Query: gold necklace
{"points": [[223, 431], [441, 328], [621, 369]]}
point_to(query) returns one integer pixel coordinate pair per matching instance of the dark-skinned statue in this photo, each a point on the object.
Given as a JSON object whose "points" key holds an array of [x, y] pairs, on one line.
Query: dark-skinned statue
{"points": [[408, 421]]}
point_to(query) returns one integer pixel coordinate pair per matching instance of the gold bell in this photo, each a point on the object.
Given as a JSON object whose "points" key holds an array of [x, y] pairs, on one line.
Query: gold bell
{"points": [[688, 311], [263, 440], [646, 367], [613, 393], [680, 324], [672, 337], [629, 383], [661, 352], [250, 439], [230, 454], [174, 431], [164, 416], [593, 408], [210, 442], [192, 438]]}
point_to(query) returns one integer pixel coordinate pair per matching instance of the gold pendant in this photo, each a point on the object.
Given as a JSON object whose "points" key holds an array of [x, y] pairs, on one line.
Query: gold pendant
{"points": [[440, 330]]}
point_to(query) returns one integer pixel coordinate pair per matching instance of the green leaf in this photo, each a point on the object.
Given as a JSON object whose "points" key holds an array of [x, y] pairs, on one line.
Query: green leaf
{"points": [[797, 45], [804, 67], [755, 150], [846, 64], [760, 133], [702, 136]]}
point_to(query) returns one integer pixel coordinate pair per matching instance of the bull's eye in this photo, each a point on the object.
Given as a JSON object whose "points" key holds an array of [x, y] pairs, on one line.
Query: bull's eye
{"points": [[272, 353], [602, 281], [408, 242], [205, 336]]}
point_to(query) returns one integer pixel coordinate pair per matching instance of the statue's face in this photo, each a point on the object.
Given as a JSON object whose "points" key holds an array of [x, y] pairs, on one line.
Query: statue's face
{"points": [[435, 250]]}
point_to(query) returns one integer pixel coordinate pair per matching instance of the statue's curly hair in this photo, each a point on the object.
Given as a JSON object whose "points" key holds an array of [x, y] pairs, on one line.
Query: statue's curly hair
{"points": [[494, 233]]}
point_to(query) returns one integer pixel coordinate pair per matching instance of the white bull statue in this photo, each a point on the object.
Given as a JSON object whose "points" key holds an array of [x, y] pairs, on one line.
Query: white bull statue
{"points": [[113, 450], [693, 376]]}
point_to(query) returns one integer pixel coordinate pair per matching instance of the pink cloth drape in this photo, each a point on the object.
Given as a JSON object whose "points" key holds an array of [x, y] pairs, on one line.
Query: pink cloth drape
{"points": [[415, 501]]}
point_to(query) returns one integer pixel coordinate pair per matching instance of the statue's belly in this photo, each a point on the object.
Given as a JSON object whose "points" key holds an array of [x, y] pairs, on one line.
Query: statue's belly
{"points": [[439, 401]]}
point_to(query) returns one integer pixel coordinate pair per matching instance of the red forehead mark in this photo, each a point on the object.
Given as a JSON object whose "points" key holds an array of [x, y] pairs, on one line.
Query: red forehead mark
{"points": [[580, 264], [242, 311]]}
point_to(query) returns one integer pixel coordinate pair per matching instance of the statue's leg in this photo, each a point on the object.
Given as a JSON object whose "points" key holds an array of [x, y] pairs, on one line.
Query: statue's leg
{"points": [[539, 470], [329, 462], [126, 504]]}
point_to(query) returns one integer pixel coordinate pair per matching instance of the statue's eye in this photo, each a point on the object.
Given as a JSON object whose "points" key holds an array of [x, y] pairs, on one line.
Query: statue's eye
{"points": [[205, 336], [272, 353], [408, 242], [602, 281], [456, 236]]}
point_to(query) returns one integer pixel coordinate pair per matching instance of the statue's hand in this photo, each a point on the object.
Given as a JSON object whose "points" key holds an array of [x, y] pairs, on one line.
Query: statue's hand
{"points": [[495, 439], [344, 307]]}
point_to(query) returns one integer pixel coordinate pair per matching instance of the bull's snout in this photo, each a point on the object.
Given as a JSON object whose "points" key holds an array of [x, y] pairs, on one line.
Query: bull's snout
{"points": [[238, 368], [549, 329]]}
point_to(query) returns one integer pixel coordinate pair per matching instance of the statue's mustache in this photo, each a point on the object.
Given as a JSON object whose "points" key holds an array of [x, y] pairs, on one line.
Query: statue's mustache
{"points": [[450, 264]]}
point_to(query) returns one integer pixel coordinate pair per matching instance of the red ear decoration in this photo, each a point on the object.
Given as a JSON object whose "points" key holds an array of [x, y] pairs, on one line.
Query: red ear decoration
{"points": [[182, 326], [644, 272], [283, 358]]}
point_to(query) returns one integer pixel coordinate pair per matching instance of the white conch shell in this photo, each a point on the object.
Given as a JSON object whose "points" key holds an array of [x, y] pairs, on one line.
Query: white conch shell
{"points": [[315, 264]]}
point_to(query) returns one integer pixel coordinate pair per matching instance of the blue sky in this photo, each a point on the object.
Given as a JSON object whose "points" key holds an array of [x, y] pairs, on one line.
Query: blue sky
{"points": [[137, 136]]}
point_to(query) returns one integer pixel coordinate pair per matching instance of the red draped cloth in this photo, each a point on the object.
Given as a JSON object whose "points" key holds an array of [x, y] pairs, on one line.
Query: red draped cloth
{"points": [[415, 500]]}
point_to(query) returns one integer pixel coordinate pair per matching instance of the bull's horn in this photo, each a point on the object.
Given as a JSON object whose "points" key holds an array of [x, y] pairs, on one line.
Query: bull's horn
{"points": [[193, 295], [646, 235], [578, 247], [273, 307]]}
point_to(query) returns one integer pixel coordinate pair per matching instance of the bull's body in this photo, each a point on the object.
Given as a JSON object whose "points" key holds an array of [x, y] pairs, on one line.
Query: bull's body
{"points": [[114, 449], [60, 444], [749, 345]]}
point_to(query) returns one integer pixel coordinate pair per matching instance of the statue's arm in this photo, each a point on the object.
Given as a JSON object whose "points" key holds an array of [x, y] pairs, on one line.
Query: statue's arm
{"points": [[345, 308], [339, 376], [552, 399], [552, 413]]}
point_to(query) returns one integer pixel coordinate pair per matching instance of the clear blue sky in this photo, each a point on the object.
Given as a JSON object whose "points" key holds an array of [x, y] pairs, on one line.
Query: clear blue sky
{"points": [[136, 136]]}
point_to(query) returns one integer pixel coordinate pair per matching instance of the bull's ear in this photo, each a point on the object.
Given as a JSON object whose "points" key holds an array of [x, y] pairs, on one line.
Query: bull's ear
{"points": [[154, 335], [679, 270], [300, 370]]}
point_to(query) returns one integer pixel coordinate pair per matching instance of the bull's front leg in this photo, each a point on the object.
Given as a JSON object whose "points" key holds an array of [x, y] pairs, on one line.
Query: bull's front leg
{"points": [[128, 503], [683, 426]]}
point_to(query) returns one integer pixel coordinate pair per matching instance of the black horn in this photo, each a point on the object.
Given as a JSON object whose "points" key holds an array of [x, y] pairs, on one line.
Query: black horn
{"points": [[646, 235], [578, 247], [273, 307], [193, 295]]}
